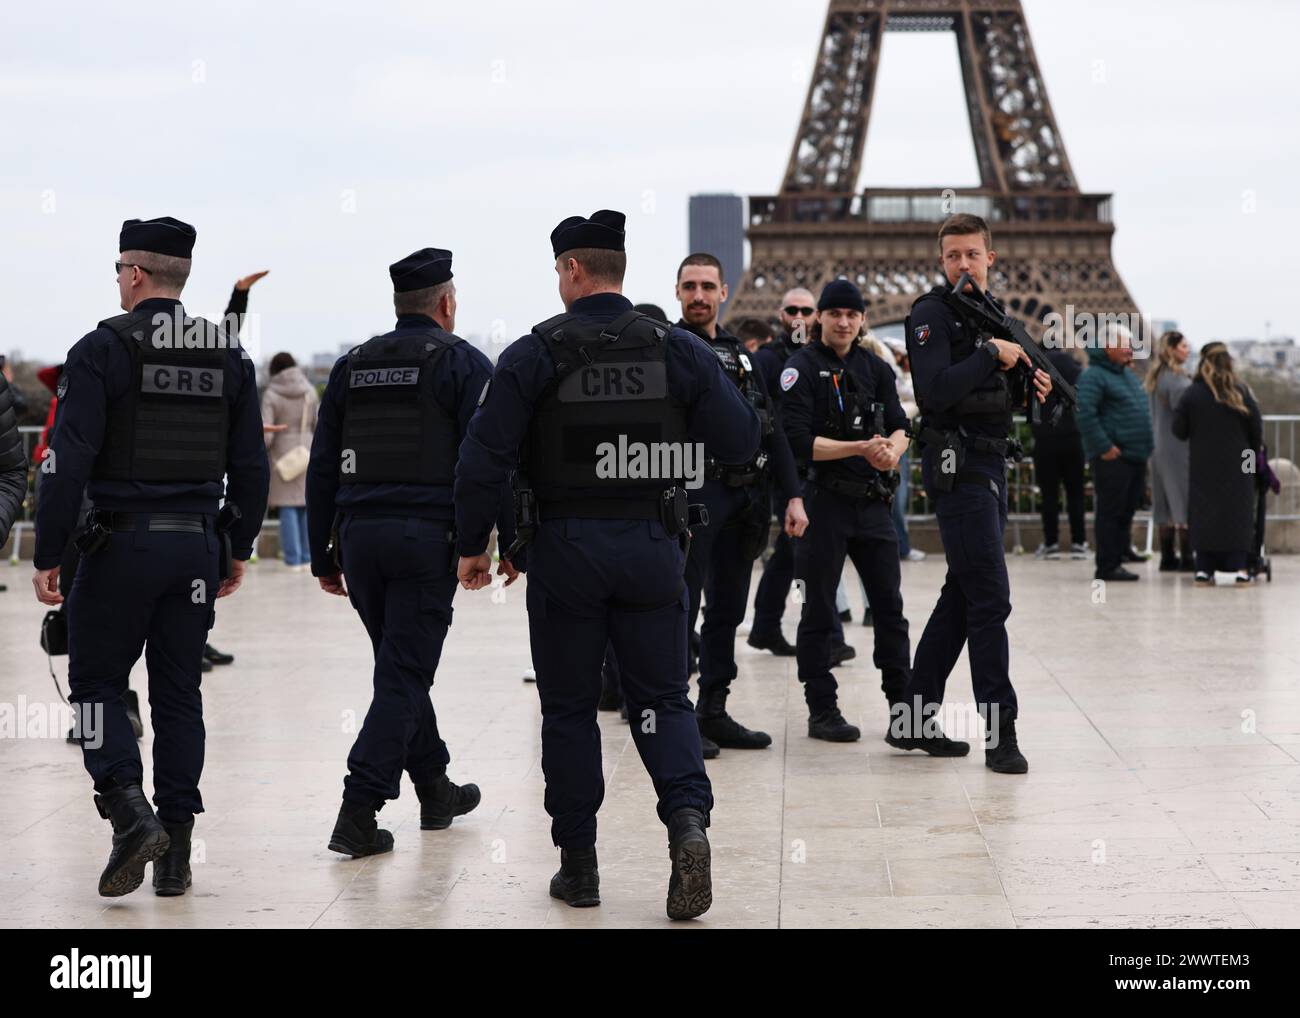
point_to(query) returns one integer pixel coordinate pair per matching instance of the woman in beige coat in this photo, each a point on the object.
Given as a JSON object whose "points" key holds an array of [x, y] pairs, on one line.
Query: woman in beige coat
{"points": [[289, 406]]}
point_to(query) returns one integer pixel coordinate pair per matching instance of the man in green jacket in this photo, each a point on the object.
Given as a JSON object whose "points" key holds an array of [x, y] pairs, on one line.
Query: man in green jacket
{"points": [[1115, 425]]}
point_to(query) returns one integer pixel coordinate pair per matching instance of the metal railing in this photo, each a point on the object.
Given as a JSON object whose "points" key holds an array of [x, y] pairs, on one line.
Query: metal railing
{"points": [[1024, 497], [1023, 494]]}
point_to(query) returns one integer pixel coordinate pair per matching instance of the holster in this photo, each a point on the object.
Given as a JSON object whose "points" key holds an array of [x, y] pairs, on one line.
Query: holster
{"points": [[332, 548], [226, 520], [95, 536], [756, 526], [525, 503], [54, 633]]}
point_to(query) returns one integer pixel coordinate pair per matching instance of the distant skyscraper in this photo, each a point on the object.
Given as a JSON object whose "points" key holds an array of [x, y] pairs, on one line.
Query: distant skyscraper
{"points": [[717, 226]]}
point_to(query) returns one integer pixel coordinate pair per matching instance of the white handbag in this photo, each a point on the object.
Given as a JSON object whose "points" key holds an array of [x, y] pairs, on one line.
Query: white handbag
{"points": [[293, 464]]}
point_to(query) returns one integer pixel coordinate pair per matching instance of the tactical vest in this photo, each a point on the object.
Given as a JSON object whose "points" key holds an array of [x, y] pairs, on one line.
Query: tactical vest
{"points": [[608, 420], [736, 366], [394, 430], [842, 410], [990, 403], [173, 421]]}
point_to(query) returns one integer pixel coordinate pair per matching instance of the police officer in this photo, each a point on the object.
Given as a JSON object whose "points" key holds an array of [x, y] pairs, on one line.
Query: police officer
{"points": [[589, 395], [738, 500], [155, 408], [797, 312], [847, 430], [383, 461], [966, 392]]}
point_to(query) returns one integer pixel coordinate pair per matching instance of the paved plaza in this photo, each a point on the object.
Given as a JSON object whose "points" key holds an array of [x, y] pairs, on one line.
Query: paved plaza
{"points": [[1161, 723]]}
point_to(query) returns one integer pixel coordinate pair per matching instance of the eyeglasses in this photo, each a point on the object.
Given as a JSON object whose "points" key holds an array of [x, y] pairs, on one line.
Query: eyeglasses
{"points": [[793, 311], [119, 266]]}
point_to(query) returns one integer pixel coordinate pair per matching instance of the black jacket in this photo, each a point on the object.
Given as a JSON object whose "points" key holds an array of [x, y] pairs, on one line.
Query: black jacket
{"points": [[13, 462], [1223, 493]]}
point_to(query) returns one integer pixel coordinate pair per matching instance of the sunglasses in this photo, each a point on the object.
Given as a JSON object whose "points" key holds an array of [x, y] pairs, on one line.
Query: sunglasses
{"points": [[119, 266], [793, 311]]}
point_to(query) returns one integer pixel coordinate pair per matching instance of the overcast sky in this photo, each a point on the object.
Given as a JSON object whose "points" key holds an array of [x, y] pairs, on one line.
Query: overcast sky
{"points": [[324, 140]]}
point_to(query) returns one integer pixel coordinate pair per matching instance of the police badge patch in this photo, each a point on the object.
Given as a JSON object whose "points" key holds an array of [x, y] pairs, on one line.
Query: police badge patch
{"points": [[62, 389], [922, 333], [788, 377]]}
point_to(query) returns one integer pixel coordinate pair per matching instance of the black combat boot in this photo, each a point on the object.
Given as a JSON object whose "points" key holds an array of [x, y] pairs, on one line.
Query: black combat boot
{"points": [[171, 873], [1186, 557], [577, 882], [719, 726], [774, 641], [1005, 757], [217, 657], [690, 888], [903, 733], [356, 833], [830, 725], [138, 838], [709, 748], [841, 652], [441, 800]]}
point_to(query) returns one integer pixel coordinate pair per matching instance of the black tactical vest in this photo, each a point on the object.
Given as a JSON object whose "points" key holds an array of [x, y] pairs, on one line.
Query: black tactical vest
{"points": [[736, 366], [990, 403], [394, 430], [842, 410], [609, 408], [172, 423]]}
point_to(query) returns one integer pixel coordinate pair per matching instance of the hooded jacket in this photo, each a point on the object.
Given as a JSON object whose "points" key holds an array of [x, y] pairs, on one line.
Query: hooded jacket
{"points": [[290, 400]]}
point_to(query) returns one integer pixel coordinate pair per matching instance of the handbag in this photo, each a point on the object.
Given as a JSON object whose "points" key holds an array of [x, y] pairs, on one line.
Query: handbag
{"points": [[293, 464]]}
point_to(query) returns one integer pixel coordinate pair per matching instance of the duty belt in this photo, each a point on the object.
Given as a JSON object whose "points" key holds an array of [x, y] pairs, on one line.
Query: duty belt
{"points": [[600, 508], [1003, 447], [732, 477], [176, 523], [877, 492]]}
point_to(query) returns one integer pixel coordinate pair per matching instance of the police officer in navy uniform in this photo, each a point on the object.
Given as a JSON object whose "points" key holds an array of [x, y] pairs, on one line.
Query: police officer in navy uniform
{"points": [[966, 392], [155, 409], [847, 430], [797, 313], [586, 396], [379, 486], [739, 500]]}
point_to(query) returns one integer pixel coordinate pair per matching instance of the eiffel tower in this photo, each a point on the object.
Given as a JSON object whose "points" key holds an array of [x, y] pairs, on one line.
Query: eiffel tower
{"points": [[1053, 241]]}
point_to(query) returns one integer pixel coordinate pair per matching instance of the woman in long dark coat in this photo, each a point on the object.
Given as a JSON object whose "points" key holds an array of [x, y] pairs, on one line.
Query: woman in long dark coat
{"points": [[1221, 422]]}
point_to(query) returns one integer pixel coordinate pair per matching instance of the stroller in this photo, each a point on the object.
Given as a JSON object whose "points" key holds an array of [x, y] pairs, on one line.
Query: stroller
{"points": [[1265, 481]]}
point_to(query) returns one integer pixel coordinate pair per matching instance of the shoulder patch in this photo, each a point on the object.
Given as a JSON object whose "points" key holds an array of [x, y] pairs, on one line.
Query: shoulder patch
{"points": [[744, 362], [62, 389], [788, 377], [921, 333], [482, 396]]}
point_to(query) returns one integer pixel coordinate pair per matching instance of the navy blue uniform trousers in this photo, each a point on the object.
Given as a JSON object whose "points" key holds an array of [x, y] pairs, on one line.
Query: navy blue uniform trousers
{"points": [[718, 567], [864, 531], [401, 578], [774, 585], [974, 603], [151, 591], [593, 583]]}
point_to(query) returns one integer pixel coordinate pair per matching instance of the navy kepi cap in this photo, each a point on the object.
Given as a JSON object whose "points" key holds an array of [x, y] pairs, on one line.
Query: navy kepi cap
{"points": [[164, 236], [427, 267], [603, 230], [840, 293]]}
